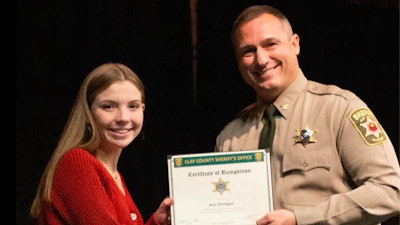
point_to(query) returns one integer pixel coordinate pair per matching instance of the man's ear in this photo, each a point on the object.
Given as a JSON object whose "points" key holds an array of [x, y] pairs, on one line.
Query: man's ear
{"points": [[295, 42]]}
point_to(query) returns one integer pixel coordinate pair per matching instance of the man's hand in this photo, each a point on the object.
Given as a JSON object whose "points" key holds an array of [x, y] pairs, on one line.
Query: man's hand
{"points": [[278, 217]]}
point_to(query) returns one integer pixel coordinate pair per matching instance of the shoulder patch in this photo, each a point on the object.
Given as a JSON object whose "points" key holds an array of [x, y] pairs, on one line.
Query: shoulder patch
{"points": [[368, 126]]}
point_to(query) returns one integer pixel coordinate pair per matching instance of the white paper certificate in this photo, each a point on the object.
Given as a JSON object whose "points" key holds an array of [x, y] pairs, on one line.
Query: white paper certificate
{"points": [[220, 188]]}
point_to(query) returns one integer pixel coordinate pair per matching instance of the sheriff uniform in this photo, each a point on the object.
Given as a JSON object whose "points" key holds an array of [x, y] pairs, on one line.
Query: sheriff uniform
{"points": [[331, 159]]}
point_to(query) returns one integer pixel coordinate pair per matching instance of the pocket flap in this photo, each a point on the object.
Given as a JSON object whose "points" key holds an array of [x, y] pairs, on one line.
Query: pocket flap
{"points": [[306, 159]]}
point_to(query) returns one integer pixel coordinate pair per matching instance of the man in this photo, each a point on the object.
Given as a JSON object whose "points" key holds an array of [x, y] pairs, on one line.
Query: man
{"points": [[331, 161]]}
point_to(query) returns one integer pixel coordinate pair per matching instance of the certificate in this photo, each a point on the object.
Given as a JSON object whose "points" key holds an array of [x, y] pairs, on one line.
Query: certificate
{"points": [[220, 188]]}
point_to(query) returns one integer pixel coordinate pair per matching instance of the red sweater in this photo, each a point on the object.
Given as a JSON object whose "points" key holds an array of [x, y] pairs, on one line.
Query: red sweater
{"points": [[83, 192]]}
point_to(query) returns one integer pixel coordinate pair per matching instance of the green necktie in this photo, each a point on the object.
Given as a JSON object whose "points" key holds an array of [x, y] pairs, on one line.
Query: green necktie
{"points": [[268, 131]]}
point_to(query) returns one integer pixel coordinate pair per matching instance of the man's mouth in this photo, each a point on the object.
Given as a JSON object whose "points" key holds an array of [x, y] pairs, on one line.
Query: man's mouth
{"points": [[267, 71], [270, 70]]}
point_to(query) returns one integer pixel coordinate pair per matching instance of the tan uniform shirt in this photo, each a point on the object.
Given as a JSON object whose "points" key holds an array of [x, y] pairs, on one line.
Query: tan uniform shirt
{"points": [[346, 173]]}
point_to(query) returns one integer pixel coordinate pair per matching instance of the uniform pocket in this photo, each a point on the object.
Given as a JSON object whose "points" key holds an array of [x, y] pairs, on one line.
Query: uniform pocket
{"points": [[306, 159], [306, 176]]}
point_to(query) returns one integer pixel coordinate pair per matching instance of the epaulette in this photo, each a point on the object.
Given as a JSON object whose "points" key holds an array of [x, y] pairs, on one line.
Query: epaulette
{"points": [[324, 89]]}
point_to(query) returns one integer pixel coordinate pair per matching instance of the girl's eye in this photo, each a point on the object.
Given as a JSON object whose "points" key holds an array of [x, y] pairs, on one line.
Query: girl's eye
{"points": [[106, 107], [134, 106]]}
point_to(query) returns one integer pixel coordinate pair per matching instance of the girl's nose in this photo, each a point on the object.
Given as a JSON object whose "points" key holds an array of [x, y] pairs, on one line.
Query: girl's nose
{"points": [[123, 114]]}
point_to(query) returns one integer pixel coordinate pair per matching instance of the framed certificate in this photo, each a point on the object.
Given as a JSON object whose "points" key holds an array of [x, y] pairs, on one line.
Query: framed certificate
{"points": [[220, 188]]}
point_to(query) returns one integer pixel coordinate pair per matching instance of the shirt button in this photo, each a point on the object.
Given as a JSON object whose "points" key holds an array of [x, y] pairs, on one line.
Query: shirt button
{"points": [[305, 163], [133, 216]]}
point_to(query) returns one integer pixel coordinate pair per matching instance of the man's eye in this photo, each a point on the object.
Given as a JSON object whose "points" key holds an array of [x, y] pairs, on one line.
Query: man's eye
{"points": [[271, 44], [248, 52]]}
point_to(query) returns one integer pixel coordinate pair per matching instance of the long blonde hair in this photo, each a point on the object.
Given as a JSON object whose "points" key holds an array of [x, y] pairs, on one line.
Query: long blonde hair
{"points": [[80, 130]]}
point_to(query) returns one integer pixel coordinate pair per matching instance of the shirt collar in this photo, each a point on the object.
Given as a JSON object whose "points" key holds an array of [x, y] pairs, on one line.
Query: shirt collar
{"points": [[286, 99]]}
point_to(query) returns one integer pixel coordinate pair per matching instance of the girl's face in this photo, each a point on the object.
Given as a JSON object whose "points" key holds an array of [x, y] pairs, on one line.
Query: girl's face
{"points": [[118, 112]]}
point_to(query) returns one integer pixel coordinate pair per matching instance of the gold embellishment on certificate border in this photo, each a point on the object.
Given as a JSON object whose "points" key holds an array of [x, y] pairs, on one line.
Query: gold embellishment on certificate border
{"points": [[305, 136], [178, 162], [220, 186], [258, 156], [368, 126]]}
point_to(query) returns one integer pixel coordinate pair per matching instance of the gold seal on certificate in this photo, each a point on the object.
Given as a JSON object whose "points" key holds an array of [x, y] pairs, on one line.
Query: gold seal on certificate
{"points": [[220, 188]]}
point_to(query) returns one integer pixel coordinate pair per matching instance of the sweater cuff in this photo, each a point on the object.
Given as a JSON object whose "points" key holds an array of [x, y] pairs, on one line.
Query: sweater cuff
{"points": [[152, 220]]}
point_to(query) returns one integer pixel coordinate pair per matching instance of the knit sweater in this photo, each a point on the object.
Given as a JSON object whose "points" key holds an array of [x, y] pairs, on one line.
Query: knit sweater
{"points": [[83, 192]]}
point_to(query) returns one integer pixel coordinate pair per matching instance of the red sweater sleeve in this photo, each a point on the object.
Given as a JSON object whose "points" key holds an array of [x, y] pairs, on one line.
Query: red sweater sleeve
{"points": [[152, 221], [84, 193]]}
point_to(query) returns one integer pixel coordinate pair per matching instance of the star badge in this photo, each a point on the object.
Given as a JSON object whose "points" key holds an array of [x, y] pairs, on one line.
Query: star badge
{"points": [[220, 186], [305, 136]]}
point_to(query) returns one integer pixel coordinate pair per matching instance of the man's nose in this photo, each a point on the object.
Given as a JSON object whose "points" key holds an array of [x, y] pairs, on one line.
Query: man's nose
{"points": [[262, 57]]}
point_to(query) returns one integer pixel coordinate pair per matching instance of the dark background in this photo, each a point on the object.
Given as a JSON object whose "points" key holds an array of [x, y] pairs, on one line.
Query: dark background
{"points": [[354, 44]]}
